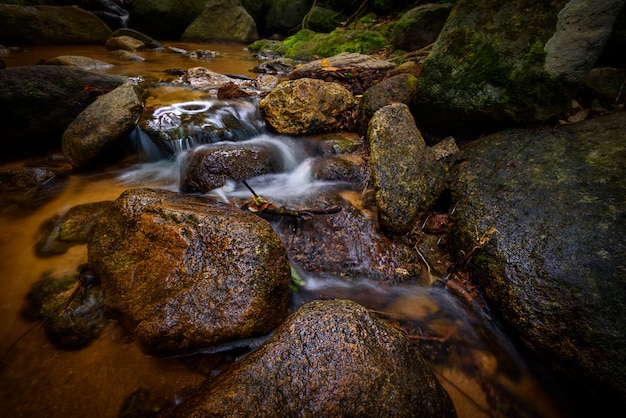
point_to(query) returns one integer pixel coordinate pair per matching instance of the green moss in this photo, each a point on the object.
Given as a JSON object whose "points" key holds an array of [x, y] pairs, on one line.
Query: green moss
{"points": [[307, 44]]}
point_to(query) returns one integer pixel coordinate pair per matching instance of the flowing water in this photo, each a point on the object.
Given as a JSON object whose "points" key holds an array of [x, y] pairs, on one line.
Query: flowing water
{"points": [[473, 359]]}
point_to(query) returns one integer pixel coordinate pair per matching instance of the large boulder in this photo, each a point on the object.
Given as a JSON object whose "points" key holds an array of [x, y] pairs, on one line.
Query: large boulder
{"points": [[51, 25], [41, 101], [98, 134], [185, 273], [307, 106], [406, 181], [331, 358], [222, 20], [497, 65], [553, 269], [165, 19]]}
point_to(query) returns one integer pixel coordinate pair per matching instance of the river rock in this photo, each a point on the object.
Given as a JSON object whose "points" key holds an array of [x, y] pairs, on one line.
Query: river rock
{"points": [[420, 26], [65, 230], [51, 25], [356, 72], [85, 63], [222, 20], [307, 106], [185, 273], [72, 316], [207, 168], [553, 269], [27, 188], [97, 135], [39, 103], [396, 89], [346, 244], [126, 43], [148, 41], [331, 358], [406, 181], [489, 68]]}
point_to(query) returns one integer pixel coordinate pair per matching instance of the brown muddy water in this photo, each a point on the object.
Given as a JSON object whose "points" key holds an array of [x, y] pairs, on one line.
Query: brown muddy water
{"points": [[475, 362]]}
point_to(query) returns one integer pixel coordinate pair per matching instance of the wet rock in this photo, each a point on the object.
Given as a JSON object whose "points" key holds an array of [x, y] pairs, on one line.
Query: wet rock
{"points": [[233, 23], [306, 106], [23, 190], [346, 244], [185, 125], [185, 273], [207, 168], [68, 229], [97, 135], [420, 26], [278, 66], [148, 42], [347, 169], [397, 89], [50, 25], [84, 63], [203, 77], [406, 181], [123, 55], [554, 270], [331, 358], [356, 72], [40, 102], [126, 43], [72, 316], [231, 91]]}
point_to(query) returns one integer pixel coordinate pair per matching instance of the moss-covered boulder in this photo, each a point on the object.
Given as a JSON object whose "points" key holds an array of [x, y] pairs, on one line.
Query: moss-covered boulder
{"points": [[222, 20], [494, 65], [553, 269], [419, 26]]}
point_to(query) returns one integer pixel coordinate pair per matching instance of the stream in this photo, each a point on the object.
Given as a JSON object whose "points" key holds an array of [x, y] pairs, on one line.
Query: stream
{"points": [[477, 363]]}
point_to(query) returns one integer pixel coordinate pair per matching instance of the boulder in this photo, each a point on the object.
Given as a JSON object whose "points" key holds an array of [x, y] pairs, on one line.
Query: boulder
{"points": [[184, 273], [207, 168], [165, 19], [420, 26], [222, 20], [406, 181], [27, 188], [495, 66], [125, 43], [84, 63], [307, 106], [41, 101], [543, 210], [347, 244], [396, 89], [331, 358], [50, 25], [97, 135]]}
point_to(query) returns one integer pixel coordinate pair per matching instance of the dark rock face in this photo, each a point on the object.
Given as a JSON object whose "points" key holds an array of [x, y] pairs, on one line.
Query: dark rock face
{"points": [[185, 273], [554, 270], [331, 358], [40, 102]]}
